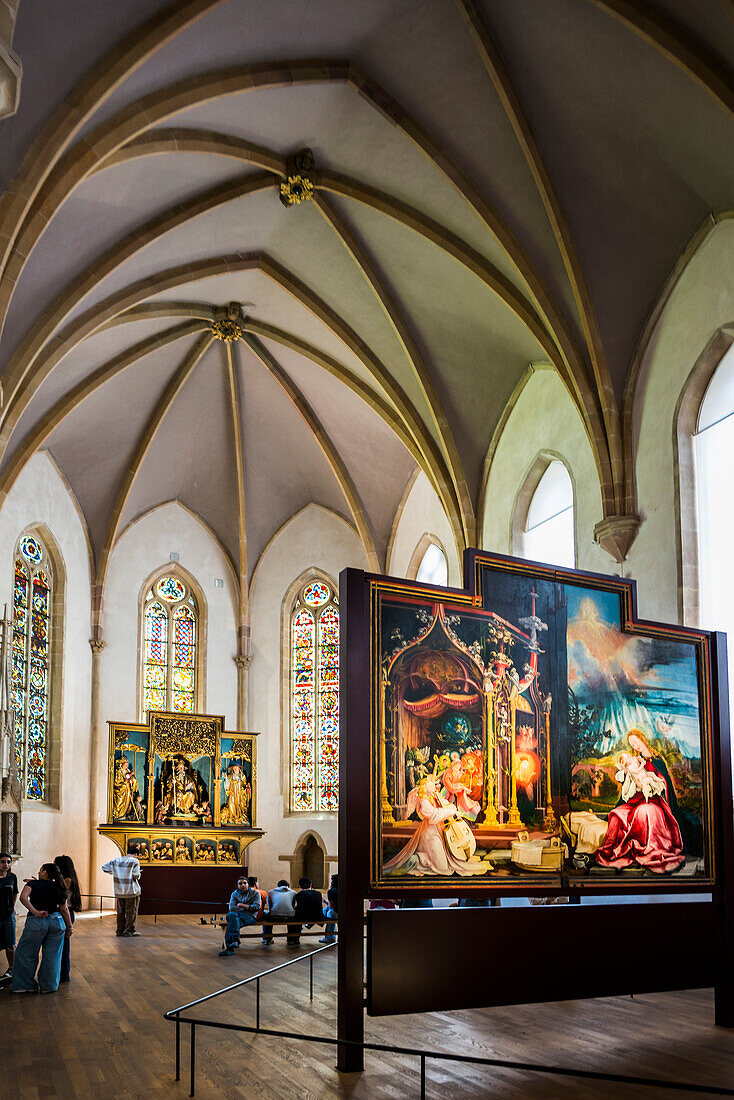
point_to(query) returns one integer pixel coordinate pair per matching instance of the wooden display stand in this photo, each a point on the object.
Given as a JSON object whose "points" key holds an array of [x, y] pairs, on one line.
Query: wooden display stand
{"points": [[175, 889]]}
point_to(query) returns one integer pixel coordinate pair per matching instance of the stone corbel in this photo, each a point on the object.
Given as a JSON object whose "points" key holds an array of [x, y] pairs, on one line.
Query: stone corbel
{"points": [[615, 534]]}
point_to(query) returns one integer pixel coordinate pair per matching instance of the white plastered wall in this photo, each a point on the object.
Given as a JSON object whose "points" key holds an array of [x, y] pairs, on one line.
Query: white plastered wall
{"points": [[701, 301], [421, 513], [543, 420], [145, 546], [40, 497], [313, 539]]}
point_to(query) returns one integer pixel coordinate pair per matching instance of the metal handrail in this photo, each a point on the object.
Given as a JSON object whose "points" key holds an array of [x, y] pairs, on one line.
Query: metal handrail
{"points": [[246, 981], [175, 1013], [503, 1063], [218, 905]]}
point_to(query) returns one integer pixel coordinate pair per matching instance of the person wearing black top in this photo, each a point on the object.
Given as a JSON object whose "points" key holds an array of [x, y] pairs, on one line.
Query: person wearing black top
{"points": [[308, 905], [68, 872], [48, 916], [8, 898]]}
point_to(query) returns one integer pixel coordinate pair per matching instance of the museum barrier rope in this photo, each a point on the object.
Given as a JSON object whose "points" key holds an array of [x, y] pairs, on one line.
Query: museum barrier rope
{"points": [[217, 906], [503, 1063]]}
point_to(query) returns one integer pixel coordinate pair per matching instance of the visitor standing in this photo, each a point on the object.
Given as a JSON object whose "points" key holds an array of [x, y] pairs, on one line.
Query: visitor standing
{"points": [[125, 871], [47, 923], [74, 901], [280, 908], [8, 898]]}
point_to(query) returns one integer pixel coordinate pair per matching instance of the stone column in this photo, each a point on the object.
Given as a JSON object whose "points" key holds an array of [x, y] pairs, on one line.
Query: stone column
{"points": [[243, 664], [97, 646]]}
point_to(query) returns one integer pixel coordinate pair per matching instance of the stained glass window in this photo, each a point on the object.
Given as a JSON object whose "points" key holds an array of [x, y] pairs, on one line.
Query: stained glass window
{"points": [[32, 590], [315, 700], [170, 589], [170, 622]]}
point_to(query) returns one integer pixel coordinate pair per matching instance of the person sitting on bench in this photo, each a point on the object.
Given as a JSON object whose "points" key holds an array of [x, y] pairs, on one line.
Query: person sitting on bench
{"points": [[309, 905], [280, 908], [244, 904]]}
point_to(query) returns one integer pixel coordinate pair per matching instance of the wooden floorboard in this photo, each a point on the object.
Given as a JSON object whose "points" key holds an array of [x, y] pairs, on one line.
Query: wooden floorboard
{"points": [[104, 1035]]}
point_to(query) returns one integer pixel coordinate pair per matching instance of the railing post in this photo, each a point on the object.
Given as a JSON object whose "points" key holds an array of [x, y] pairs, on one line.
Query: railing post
{"points": [[192, 1069], [310, 977], [423, 1077], [178, 1048], [257, 1004], [100, 907], [155, 911]]}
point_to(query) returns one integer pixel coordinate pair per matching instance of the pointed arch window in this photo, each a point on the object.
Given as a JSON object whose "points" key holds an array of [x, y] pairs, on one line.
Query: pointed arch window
{"points": [[170, 677], [433, 568], [714, 452], [315, 699], [549, 528], [31, 660]]}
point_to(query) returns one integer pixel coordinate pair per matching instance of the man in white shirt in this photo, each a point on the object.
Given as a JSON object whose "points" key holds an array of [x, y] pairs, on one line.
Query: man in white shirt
{"points": [[125, 871]]}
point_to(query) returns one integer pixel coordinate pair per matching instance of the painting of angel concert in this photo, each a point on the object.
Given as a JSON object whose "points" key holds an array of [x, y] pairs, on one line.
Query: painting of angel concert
{"points": [[537, 733]]}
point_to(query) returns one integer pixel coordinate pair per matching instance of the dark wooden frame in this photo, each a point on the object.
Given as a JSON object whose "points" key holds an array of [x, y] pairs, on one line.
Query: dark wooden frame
{"points": [[393, 983]]}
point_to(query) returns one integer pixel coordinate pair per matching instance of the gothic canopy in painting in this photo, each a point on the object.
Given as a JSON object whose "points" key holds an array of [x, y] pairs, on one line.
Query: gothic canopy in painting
{"points": [[532, 733]]}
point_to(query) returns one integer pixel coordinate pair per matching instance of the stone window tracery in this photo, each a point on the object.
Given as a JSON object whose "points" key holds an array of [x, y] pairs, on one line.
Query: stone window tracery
{"points": [[314, 666], [31, 662], [170, 678]]}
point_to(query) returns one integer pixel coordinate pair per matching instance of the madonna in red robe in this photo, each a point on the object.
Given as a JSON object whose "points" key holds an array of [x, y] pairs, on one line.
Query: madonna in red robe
{"points": [[643, 831]]}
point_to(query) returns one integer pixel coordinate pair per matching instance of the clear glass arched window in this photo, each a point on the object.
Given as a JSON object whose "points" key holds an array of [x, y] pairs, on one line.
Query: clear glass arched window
{"points": [[714, 451], [31, 658], [170, 639], [314, 648], [549, 527], [433, 568]]}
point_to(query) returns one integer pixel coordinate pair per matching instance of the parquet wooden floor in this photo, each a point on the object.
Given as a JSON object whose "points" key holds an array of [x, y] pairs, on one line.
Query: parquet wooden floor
{"points": [[104, 1034]]}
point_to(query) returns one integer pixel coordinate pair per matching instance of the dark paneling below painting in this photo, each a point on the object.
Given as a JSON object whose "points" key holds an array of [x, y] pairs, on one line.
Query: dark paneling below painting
{"points": [[544, 953], [174, 886]]}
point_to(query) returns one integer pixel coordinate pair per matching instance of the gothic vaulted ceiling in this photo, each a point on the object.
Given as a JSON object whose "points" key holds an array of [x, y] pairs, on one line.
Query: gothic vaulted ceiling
{"points": [[493, 183]]}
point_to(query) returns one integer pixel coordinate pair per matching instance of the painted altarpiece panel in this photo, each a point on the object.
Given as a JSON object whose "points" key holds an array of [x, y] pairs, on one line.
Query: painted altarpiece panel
{"points": [[183, 789], [534, 734]]}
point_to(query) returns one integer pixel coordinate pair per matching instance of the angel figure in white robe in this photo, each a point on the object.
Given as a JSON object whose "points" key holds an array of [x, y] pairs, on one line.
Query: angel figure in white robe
{"points": [[427, 852]]}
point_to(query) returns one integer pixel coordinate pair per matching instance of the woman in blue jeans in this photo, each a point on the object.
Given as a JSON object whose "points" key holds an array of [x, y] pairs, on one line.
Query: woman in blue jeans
{"points": [[47, 924], [74, 901]]}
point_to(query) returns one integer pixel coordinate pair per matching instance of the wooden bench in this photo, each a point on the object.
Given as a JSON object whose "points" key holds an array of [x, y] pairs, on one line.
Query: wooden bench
{"points": [[255, 931]]}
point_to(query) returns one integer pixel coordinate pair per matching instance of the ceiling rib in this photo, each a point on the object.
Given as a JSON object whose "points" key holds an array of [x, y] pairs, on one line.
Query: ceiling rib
{"points": [[184, 139], [333, 367], [91, 321], [90, 93], [677, 43], [378, 284], [35, 439], [513, 108], [243, 626], [209, 142], [80, 161], [147, 436], [327, 446], [113, 258]]}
